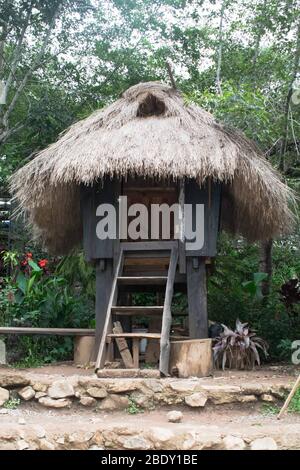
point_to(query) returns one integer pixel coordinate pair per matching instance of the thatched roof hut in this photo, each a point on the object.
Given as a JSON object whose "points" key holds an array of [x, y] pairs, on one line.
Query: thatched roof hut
{"points": [[151, 132]]}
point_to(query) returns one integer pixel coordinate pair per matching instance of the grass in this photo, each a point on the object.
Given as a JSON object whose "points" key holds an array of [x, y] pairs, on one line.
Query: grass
{"points": [[295, 403], [270, 410], [294, 406], [29, 362]]}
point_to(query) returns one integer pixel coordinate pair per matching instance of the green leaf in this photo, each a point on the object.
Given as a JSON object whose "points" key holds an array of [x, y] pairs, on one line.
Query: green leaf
{"points": [[21, 282], [259, 277], [34, 266]]}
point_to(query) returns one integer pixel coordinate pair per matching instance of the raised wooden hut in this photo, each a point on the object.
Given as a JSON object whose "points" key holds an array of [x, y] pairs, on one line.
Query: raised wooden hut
{"points": [[154, 148]]}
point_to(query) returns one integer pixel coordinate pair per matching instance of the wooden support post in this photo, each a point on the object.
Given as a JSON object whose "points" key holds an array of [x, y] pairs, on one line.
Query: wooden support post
{"points": [[197, 298], [104, 278], [136, 352]]}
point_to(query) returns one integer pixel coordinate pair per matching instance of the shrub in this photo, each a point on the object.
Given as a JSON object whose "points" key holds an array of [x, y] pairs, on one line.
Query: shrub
{"points": [[238, 349]]}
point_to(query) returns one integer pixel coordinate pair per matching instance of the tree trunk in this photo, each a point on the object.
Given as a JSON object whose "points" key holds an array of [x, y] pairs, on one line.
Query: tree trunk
{"points": [[266, 265], [288, 102], [220, 48]]}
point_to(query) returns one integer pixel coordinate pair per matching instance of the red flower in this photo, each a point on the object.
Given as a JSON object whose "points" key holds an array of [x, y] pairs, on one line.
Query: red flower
{"points": [[28, 255], [43, 263], [24, 262]]}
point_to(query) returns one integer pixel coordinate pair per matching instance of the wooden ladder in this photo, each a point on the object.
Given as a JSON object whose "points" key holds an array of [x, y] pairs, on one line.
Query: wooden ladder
{"points": [[164, 310]]}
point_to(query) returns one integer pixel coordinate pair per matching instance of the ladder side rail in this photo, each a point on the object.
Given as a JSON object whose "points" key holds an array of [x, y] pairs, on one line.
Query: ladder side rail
{"points": [[112, 301], [167, 315]]}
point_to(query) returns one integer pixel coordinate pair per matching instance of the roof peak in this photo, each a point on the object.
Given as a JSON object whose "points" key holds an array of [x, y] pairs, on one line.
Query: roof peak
{"points": [[154, 87]]}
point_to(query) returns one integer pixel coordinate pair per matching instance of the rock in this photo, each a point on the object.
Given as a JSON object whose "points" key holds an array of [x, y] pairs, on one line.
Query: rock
{"points": [[22, 445], [21, 421], [160, 435], [183, 385], [255, 388], [88, 401], [280, 391], [39, 387], [96, 392], [136, 443], [114, 402], [40, 395], [80, 436], [87, 381], [44, 444], [122, 386], [96, 448], [13, 380], [80, 439], [207, 438], [188, 441], [60, 440], [174, 416], [61, 389], [26, 393], [142, 400], [50, 403], [233, 443], [3, 411], [265, 443], [267, 397], [220, 394], [196, 400], [98, 438], [246, 398], [154, 385], [4, 395]]}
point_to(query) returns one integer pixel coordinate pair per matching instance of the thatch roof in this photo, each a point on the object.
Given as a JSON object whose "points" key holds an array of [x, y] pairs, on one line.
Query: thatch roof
{"points": [[151, 131]]}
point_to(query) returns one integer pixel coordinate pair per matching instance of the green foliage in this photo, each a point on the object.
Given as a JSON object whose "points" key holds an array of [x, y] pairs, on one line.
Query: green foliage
{"points": [[34, 297], [294, 406], [12, 403], [284, 349], [270, 410], [254, 287], [133, 407]]}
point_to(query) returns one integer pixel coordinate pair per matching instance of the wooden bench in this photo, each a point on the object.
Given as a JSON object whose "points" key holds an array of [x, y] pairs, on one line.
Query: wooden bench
{"points": [[84, 338]]}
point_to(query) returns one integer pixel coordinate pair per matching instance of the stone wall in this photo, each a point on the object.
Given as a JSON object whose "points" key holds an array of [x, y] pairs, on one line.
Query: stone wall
{"points": [[116, 394]]}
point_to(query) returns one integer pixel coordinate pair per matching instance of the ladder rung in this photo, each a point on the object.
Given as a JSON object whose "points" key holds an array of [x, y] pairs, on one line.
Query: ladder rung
{"points": [[142, 280], [137, 310]]}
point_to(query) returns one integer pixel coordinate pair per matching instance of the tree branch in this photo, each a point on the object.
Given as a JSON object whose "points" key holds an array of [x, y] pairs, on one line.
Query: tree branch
{"points": [[220, 48], [169, 69]]}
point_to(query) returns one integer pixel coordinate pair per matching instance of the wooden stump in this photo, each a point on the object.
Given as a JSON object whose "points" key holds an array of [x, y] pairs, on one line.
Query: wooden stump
{"points": [[84, 349], [191, 358]]}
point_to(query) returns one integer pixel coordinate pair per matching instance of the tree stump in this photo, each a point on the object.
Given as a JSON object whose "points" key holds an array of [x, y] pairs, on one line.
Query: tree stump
{"points": [[191, 358]]}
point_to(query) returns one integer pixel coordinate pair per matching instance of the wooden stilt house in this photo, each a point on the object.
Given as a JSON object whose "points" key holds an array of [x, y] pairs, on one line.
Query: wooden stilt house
{"points": [[150, 148]]}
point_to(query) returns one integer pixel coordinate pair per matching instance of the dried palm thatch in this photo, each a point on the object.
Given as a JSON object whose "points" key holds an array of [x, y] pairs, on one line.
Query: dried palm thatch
{"points": [[151, 132]]}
